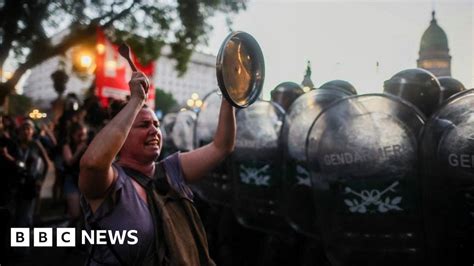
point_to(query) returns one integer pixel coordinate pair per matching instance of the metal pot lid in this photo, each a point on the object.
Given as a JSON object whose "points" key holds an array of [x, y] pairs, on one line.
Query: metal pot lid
{"points": [[240, 69]]}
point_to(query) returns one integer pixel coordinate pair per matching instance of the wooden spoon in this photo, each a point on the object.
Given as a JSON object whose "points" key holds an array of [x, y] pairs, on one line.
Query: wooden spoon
{"points": [[124, 51]]}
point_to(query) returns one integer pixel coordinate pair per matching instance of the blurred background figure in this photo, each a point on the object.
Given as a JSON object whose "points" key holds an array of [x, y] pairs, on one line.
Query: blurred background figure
{"points": [[29, 161], [60, 79], [72, 151]]}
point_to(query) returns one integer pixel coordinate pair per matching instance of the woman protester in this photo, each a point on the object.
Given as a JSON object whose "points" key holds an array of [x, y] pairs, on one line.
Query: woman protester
{"points": [[124, 188]]}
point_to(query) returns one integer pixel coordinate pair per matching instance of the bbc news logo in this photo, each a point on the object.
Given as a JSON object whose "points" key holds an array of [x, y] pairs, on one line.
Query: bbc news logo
{"points": [[66, 237]]}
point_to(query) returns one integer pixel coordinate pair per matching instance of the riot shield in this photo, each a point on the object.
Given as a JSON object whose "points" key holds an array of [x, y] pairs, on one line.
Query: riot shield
{"points": [[256, 168], [362, 158], [216, 188], [448, 181], [183, 130], [167, 124], [298, 198]]}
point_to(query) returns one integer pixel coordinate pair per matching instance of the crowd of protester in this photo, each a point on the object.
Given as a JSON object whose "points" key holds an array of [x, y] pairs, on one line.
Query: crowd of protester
{"points": [[30, 149]]}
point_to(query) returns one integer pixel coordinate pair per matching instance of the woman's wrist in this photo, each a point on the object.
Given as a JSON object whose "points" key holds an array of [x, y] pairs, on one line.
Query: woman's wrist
{"points": [[136, 101]]}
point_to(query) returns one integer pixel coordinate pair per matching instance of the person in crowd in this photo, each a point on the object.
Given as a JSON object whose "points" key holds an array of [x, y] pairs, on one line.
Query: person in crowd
{"points": [[30, 161], [47, 138], [9, 126], [124, 188], [72, 151], [7, 169], [62, 128]]}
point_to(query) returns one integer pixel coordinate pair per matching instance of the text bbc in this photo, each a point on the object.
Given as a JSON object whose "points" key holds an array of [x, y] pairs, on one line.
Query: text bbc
{"points": [[66, 237]]}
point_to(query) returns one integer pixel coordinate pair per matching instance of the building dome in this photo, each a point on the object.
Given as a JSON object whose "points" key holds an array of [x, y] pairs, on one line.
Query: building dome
{"points": [[434, 50], [434, 38]]}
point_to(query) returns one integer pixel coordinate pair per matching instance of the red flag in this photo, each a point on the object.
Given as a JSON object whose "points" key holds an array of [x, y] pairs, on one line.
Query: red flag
{"points": [[113, 72]]}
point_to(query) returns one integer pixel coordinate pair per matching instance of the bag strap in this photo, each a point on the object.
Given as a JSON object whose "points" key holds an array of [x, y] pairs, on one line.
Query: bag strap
{"points": [[149, 185], [91, 254], [95, 226], [162, 186]]}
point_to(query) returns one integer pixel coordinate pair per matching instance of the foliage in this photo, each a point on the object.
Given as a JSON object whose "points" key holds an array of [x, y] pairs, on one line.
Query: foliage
{"points": [[19, 105], [33, 31], [164, 101]]}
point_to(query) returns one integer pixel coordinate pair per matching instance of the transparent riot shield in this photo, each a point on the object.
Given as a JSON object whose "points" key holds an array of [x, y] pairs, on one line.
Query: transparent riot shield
{"points": [[298, 197], [167, 124], [183, 130], [257, 168], [448, 181], [216, 188], [362, 159]]}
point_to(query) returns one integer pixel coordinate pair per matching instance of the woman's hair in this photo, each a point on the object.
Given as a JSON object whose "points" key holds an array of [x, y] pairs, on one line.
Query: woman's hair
{"points": [[117, 105]]}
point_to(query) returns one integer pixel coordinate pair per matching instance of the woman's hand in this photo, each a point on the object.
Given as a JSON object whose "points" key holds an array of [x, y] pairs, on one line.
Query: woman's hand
{"points": [[5, 154], [139, 85]]}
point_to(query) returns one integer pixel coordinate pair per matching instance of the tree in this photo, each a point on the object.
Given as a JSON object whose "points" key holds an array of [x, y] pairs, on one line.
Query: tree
{"points": [[164, 101], [19, 105], [32, 31]]}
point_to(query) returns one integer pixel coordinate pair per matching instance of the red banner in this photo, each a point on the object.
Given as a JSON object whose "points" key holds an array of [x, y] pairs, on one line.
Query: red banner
{"points": [[113, 72]]}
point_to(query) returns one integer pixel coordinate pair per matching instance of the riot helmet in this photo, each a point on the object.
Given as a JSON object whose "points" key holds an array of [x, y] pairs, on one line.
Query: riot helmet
{"points": [[417, 86], [449, 87], [340, 84], [286, 93]]}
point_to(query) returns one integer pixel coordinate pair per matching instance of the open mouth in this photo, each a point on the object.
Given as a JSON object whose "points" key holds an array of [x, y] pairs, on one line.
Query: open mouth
{"points": [[153, 142]]}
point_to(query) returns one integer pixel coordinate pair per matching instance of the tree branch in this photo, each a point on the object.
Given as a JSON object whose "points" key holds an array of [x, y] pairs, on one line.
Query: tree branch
{"points": [[39, 54], [10, 27], [120, 15], [76, 36]]}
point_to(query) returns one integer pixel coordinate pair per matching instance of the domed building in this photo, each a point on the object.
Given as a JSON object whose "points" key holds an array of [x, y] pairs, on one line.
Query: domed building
{"points": [[434, 50]]}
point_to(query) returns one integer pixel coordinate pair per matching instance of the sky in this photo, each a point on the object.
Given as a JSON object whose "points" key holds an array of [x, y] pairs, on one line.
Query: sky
{"points": [[346, 39]]}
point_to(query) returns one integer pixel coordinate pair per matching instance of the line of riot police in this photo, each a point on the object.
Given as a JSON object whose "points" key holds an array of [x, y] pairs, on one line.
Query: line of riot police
{"points": [[329, 177]]}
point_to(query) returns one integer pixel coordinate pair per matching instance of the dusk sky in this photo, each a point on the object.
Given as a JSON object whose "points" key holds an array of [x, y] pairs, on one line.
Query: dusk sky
{"points": [[346, 39]]}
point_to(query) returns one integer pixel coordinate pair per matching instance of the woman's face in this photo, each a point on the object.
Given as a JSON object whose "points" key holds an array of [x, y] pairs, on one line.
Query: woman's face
{"points": [[145, 140]]}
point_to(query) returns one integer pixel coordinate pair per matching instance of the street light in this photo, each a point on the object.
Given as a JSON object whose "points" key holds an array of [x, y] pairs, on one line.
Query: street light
{"points": [[83, 60], [86, 61], [194, 103], [5, 75], [100, 48], [36, 114]]}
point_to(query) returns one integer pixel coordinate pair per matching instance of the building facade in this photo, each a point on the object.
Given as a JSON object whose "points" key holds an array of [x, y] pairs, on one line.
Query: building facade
{"points": [[199, 78], [39, 85]]}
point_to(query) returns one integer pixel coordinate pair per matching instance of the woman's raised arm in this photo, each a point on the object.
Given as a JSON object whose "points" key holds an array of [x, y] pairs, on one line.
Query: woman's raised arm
{"points": [[96, 173], [197, 163]]}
